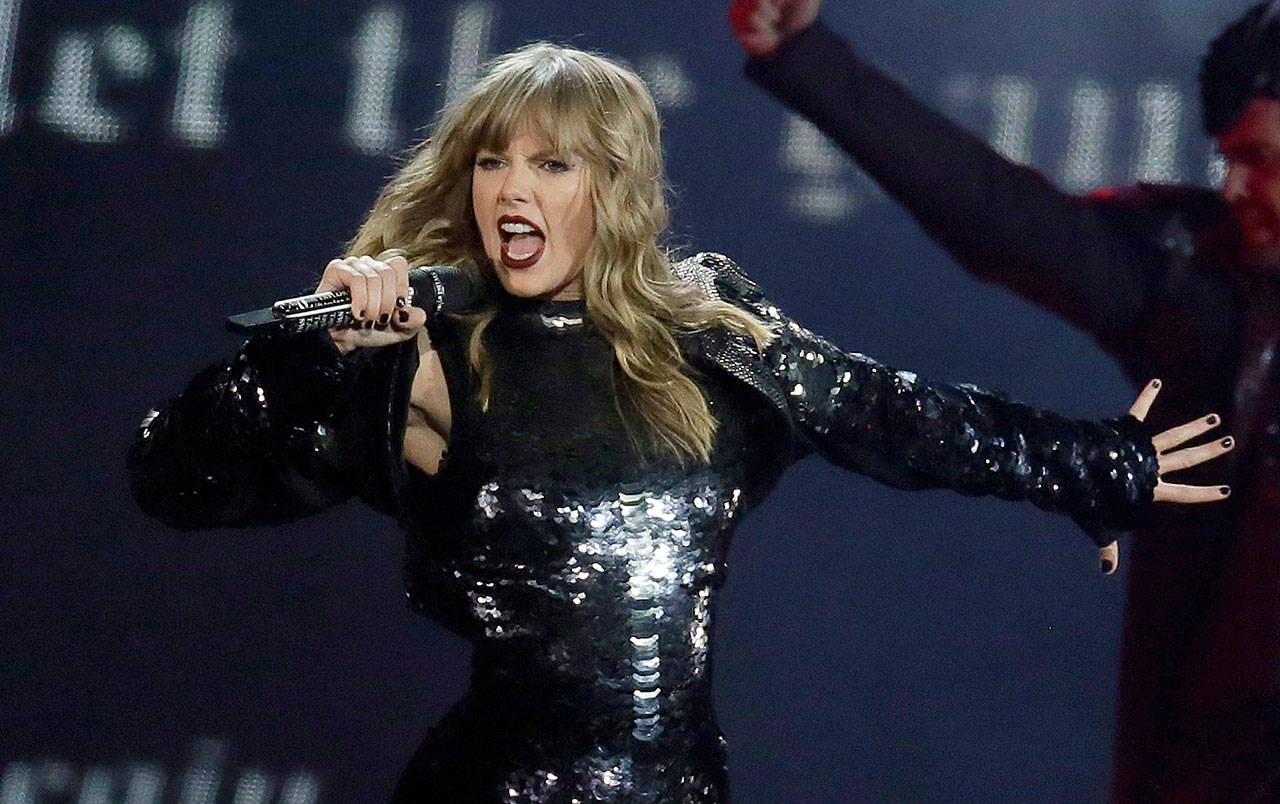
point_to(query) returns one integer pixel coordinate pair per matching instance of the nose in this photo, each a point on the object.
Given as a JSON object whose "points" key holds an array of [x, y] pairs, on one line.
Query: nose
{"points": [[1235, 184], [516, 187]]}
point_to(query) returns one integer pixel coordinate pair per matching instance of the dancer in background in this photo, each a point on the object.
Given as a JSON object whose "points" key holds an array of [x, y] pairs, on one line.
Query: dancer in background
{"points": [[569, 463], [1177, 282]]}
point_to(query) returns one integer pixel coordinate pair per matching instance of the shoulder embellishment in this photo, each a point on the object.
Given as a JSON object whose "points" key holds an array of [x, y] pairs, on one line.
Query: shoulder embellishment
{"points": [[700, 271]]}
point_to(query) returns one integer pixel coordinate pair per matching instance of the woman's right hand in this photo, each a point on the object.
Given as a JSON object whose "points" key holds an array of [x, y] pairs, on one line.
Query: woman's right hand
{"points": [[379, 301]]}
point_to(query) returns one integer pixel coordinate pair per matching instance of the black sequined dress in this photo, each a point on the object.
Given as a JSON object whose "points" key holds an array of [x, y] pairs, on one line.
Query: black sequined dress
{"points": [[583, 572], [583, 569]]}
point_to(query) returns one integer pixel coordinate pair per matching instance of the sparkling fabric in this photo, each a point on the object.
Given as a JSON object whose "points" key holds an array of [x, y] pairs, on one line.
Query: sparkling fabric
{"points": [[914, 434], [583, 569], [585, 572]]}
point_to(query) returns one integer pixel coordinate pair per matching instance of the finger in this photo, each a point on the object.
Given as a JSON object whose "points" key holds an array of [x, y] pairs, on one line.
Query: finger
{"points": [[1109, 558], [1185, 432], [408, 319], [373, 284], [1142, 405], [330, 279], [1178, 493], [387, 291], [354, 279], [372, 290], [401, 266], [1192, 456]]}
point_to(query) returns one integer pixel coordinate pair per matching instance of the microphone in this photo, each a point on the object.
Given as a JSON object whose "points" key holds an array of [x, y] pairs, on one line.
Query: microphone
{"points": [[436, 289]]}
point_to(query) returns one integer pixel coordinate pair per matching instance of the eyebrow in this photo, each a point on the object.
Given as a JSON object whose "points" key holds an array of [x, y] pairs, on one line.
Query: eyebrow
{"points": [[541, 153]]}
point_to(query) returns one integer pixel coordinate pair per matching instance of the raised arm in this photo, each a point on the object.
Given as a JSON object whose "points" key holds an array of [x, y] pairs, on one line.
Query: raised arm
{"points": [[1092, 264]]}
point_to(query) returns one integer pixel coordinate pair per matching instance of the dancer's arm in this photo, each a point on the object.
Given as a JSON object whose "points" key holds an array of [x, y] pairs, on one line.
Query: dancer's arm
{"points": [[1094, 264]]}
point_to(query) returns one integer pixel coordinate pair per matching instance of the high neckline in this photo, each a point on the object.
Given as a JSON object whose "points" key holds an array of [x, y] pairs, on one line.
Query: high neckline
{"points": [[550, 313], [569, 308]]}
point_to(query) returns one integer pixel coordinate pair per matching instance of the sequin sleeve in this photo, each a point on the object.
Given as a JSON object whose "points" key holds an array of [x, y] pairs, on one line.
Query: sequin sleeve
{"points": [[911, 433], [250, 441]]}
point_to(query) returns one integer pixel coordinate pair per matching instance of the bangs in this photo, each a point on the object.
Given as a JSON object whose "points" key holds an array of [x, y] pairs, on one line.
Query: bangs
{"points": [[556, 105]]}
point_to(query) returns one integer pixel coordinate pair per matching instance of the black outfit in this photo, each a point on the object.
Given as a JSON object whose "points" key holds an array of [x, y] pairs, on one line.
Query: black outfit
{"points": [[1151, 272], [583, 568]]}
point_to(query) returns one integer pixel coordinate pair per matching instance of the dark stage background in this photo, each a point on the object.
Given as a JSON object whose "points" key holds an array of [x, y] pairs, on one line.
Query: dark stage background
{"points": [[164, 164]]}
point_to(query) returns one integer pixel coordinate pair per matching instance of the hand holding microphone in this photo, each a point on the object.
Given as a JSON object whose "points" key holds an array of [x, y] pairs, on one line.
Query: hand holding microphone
{"points": [[380, 301], [365, 302]]}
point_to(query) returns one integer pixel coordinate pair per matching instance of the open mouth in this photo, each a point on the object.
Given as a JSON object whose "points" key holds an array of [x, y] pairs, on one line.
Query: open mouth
{"points": [[522, 241]]}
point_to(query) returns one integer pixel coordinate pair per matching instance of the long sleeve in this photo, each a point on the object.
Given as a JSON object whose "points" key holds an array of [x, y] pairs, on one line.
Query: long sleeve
{"points": [[253, 440], [909, 433], [1093, 263], [872, 419]]}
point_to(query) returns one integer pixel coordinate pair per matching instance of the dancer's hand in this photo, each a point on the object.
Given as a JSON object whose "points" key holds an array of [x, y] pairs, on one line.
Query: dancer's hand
{"points": [[379, 292], [762, 25], [1170, 458]]}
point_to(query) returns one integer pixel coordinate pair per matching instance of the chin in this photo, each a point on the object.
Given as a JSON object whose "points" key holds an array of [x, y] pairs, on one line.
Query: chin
{"points": [[524, 285]]}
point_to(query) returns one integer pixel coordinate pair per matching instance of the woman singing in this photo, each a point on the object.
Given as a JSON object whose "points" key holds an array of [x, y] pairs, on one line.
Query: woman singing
{"points": [[569, 463]]}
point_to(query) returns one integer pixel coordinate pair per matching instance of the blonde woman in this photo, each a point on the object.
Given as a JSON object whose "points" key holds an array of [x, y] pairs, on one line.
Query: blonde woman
{"points": [[569, 463]]}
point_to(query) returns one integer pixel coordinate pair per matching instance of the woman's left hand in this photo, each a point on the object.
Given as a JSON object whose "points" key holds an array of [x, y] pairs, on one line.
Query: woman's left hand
{"points": [[1172, 456]]}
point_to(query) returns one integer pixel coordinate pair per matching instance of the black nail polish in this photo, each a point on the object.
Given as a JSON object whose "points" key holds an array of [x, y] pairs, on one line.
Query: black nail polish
{"points": [[1226, 443], [1105, 566], [404, 316], [360, 314], [380, 327], [400, 302], [383, 319], [1225, 490], [1155, 383], [368, 325], [1210, 419]]}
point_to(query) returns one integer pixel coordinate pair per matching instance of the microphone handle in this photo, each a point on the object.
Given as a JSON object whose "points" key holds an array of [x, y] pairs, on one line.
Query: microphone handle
{"points": [[428, 289]]}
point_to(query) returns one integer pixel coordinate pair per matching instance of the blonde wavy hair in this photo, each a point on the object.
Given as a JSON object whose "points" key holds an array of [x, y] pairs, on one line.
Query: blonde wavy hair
{"points": [[586, 105]]}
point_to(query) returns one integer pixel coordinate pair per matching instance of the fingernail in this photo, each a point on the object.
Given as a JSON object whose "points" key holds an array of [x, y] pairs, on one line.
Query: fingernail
{"points": [[368, 325], [1155, 383], [383, 319], [400, 301], [1106, 566], [360, 315], [379, 327], [404, 316], [1210, 419], [1226, 443], [1225, 490]]}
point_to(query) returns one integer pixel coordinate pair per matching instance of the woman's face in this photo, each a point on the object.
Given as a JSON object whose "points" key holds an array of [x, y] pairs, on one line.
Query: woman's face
{"points": [[533, 208]]}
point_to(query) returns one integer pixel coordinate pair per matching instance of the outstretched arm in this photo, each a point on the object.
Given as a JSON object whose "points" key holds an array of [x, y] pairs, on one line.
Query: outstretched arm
{"points": [[900, 429], [1002, 221]]}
